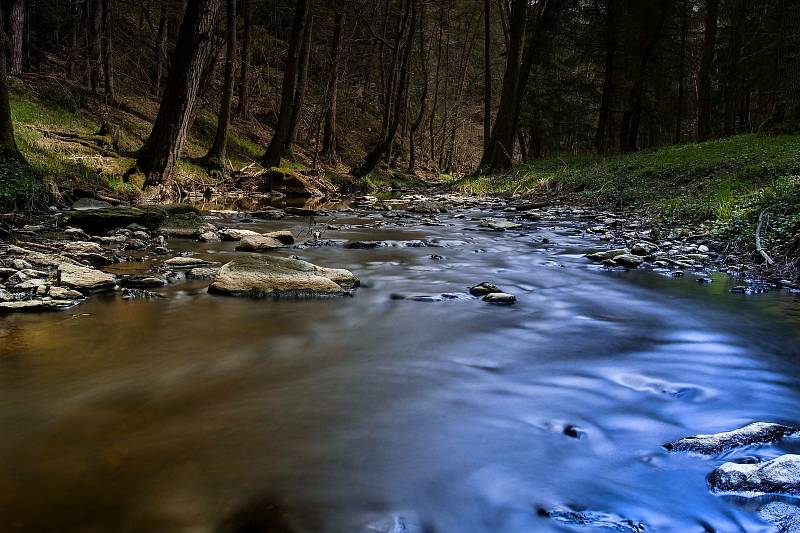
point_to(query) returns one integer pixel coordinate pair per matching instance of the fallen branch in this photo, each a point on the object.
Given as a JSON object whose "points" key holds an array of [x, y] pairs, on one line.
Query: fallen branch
{"points": [[760, 250]]}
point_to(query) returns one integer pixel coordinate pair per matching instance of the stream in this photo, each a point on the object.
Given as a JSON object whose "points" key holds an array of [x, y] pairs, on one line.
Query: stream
{"points": [[202, 413]]}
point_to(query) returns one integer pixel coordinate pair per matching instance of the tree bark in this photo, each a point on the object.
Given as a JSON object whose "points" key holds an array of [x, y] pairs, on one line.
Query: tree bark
{"points": [[160, 50], [329, 135], [300, 91], [73, 11], [16, 30], [499, 154], [219, 149], [108, 56], [487, 74], [372, 159], [424, 53], [160, 153], [243, 109], [681, 74], [8, 144], [704, 76], [604, 114], [631, 119], [732, 87], [94, 14], [277, 146]]}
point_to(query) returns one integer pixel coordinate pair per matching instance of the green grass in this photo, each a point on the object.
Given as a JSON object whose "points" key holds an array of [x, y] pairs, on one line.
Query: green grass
{"points": [[724, 183]]}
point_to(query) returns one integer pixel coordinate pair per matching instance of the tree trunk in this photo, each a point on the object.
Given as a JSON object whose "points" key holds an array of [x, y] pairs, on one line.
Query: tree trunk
{"points": [[243, 110], [681, 74], [16, 31], [631, 120], [73, 13], [219, 149], [108, 56], [329, 136], [732, 87], [160, 153], [424, 53], [487, 74], [704, 76], [499, 154], [277, 146], [604, 115], [94, 20], [8, 145], [300, 91], [372, 159], [160, 49]]}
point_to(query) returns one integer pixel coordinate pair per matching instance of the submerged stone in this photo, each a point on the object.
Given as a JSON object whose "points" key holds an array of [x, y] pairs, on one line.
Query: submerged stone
{"points": [[484, 288], [591, 519], [500, 298], [778, 476], [755, 433]]}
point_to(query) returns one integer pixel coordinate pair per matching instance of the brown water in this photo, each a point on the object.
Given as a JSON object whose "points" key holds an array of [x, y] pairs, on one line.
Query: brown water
{"points": [[196, 411]]}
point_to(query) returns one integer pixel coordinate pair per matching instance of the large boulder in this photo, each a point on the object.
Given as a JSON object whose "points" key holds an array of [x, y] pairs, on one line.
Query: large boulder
{"points": [[755, 433], [267, 275], [182, 220], [778, 476], [102, 220], [85, 279]]}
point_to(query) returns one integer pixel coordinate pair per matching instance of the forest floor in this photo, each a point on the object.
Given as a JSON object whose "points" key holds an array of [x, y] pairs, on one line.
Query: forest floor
{"points": [[722, 188]]}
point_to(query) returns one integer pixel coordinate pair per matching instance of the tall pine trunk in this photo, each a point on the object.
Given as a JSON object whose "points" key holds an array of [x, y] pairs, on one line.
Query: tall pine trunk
{"points": [[219, 149], [487, 73], [160, 50], [704, 76], [160, 153], [329, 136], [108, 55], [277, 146], [16, 30], [94, 27], [8, 145], [500, 151], [300, 90], [243, 109], [604, 115]]}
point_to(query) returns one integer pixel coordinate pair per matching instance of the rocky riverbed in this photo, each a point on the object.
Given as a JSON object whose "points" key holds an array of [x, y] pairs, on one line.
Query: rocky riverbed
{"points": [[445, 297]]}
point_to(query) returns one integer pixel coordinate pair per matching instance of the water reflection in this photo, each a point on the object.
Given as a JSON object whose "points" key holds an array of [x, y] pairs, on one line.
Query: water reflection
{"points": [[202, 413]]}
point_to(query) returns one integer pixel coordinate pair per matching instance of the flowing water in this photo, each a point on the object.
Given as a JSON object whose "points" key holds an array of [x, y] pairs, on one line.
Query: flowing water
{"points": [[199, 412]]}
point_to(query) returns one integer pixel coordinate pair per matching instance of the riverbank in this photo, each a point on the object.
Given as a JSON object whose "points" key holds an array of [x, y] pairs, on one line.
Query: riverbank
{"points": [[720, 189]]}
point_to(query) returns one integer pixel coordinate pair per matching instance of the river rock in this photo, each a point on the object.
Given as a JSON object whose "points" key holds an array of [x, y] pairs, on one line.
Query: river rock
{"points": [[84, 204], [63, 293], [785, 517], [209, 236], [104, 219], [21, 264], [179, 263], [499, 225], [258, 243], [591, 519], [143, 282], [6, 296], [201, 273], [284, 236], [130, 294], [644, 249], [426, 207], [267, 275], [628, 260], [37, 305], [755, 433], [778, 476], [501, 298], [81, 247], [235, 234], [183, 221], [6, 272], [482, 289], [84, 278], [608, 254]]}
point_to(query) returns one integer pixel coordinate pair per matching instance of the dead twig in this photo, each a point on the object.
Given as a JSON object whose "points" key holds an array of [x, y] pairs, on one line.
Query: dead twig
{"points": [[761, 218]]}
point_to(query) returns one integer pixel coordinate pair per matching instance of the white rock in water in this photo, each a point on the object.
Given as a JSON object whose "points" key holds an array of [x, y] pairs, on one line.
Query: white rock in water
{"points": [[778, 476], [755, 433], [84, 278], [234, 234], [499, 225], [258, 243], [500, 298], [185, 262], [608, 254], [785, 517], [267, 275]]}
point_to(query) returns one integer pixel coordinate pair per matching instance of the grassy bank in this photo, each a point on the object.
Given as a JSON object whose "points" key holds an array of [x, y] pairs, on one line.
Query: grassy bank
{"points": [[59, 131], [725, 184]]}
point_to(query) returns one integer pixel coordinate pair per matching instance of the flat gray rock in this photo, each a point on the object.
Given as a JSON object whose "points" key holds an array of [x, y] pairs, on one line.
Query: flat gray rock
{"points": [[266, 275], [778, 476], [84, 278], [258, 243], [755, 433]]}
